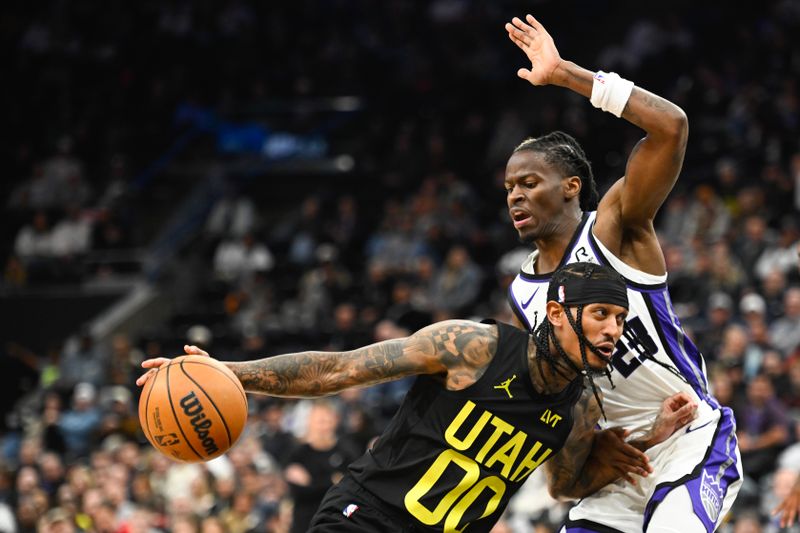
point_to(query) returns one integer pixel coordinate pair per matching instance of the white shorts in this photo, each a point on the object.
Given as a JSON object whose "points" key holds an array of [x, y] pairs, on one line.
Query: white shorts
{"points": [[696, 476]]}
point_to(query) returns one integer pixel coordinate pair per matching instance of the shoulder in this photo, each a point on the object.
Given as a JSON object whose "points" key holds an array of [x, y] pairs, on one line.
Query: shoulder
{"points": [[457, 342]]}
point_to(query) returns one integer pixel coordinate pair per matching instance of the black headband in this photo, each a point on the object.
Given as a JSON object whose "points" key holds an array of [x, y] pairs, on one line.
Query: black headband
{"points": [[571, 291]]}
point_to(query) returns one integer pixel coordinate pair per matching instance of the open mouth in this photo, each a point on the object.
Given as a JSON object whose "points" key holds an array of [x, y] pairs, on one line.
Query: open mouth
{"points": [[520, 218], [606, 349]]}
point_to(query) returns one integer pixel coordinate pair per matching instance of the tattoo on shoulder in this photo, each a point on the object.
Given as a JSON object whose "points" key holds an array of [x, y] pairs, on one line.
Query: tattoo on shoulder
{"points": [[457, 343]]}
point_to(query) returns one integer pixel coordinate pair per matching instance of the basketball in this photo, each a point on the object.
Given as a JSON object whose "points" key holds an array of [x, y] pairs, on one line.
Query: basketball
{"points": [[193, 409]]}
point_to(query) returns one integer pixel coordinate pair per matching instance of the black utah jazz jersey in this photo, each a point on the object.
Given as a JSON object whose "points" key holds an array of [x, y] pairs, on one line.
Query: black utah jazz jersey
{"points": [[453, 459]]}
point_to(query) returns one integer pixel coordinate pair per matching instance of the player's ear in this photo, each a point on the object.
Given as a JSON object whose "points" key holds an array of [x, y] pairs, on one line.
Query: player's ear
{"points": [[555, 313], [572, 186]]}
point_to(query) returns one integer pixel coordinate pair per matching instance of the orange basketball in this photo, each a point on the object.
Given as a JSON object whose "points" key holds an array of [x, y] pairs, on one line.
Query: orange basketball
{"points": [[193, 409]]}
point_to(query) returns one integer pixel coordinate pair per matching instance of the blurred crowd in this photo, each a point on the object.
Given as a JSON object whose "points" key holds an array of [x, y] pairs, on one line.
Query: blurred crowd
{"points": [[417, 233]]}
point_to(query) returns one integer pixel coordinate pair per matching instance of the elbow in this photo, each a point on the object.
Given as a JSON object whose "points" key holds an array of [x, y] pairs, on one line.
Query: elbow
{"points": [[676, 125]]}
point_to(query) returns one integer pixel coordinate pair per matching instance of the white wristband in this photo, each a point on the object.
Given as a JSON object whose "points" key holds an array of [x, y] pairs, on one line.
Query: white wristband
{"points": [[610, 92]]}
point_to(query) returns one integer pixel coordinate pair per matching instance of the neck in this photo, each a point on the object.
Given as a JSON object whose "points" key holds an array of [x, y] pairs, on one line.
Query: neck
{"points": [[552, 247], [544, 378]]}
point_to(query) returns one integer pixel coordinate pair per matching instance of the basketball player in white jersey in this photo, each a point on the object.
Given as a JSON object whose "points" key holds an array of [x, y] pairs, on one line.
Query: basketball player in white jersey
{"points": [[553, 203]]}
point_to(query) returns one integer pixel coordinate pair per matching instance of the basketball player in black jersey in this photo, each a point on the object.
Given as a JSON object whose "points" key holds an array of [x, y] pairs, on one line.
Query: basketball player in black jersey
{"points": [[490, 405]]}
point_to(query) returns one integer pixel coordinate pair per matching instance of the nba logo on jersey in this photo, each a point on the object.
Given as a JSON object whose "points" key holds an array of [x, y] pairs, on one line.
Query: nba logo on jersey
{"points": [[711, 495], [349, 510]]}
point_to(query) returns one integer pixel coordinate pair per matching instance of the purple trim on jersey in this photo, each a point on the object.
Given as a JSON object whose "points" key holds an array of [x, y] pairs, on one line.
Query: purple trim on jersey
{"points": [[671, 333], [706, 487]]}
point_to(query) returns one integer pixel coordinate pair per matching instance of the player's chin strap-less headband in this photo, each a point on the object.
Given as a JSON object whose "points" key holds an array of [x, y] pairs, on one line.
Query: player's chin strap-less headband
{"points": [[571, 291]]}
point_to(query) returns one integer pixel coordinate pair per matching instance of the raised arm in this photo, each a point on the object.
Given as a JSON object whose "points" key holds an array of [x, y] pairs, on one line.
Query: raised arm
{"points": [[655, 162], [458, 350]]}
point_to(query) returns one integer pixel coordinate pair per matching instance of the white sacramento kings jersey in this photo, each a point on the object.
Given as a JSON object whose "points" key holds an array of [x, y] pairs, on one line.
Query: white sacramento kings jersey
{"points": [[653, 359]]}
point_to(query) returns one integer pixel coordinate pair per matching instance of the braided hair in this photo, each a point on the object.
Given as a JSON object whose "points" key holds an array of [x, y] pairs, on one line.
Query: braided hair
{"points": [[563, 152], [545, 332]]}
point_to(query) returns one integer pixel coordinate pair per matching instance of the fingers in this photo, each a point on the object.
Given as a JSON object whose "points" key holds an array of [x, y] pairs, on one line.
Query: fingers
{"points": [[535, 24], [144, 377], [194, 350], [154, 363], [787, 513], [519, 37]]}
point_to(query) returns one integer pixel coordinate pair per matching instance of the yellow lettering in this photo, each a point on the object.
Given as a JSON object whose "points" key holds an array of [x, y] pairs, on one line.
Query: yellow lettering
{"points": [[458, 421], [501, 426], [412, 500], [550, 418], [454, 517], [529, 463], [508, 453]]}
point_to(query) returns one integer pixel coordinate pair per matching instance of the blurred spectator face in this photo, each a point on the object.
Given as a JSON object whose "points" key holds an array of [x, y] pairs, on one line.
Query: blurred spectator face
{"points": [[747, 524], [57, 520], [242, 503], [457, 257], [92, 500], [734, 343], [182, 524], [29, 451], [224, 487], [322, 420], [105, 517], [211, 525], [759, 391], [79, 479], [345, 316], [51, 467], [774, 283], [722, 388], [791, 303], [720, 307], [755, 227], [772, 363], [83, 397], [27, 480]]}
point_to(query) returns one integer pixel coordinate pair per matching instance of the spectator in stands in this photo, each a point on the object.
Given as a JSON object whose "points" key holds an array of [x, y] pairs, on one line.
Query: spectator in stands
{"points": [[236, 260], [316, 464], [79, 423], [763, 428], [457, 284], [785, 331], [82, 360]]}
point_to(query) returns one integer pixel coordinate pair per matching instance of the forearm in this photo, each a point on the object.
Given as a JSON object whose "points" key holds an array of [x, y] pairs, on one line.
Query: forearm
{"points": [[582, 483], [652, 113], [314, 374]]}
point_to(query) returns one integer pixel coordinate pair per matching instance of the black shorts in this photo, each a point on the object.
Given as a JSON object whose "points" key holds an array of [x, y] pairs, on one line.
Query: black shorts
{"points": [[347, 506]]}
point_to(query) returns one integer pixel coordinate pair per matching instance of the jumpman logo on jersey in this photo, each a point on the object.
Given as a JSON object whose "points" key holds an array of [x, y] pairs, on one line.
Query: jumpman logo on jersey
{"points": [[505, 384]]}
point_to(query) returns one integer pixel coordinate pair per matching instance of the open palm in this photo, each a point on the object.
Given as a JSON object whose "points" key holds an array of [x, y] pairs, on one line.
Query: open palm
{"points": [[538, 45]]}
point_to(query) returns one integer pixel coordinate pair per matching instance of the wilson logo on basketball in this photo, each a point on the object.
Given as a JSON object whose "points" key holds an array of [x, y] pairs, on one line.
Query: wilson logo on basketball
{"points": [[192, 407]]}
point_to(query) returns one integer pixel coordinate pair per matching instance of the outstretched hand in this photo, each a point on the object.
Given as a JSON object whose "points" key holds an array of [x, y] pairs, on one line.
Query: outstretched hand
{"points": [[154, 364], [790, 506], [538, 45]]}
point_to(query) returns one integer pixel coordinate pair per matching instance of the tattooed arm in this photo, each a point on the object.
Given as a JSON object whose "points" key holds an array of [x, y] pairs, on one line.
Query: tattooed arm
{"points": [[458, 350], [591, 459], [578, 470]]}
